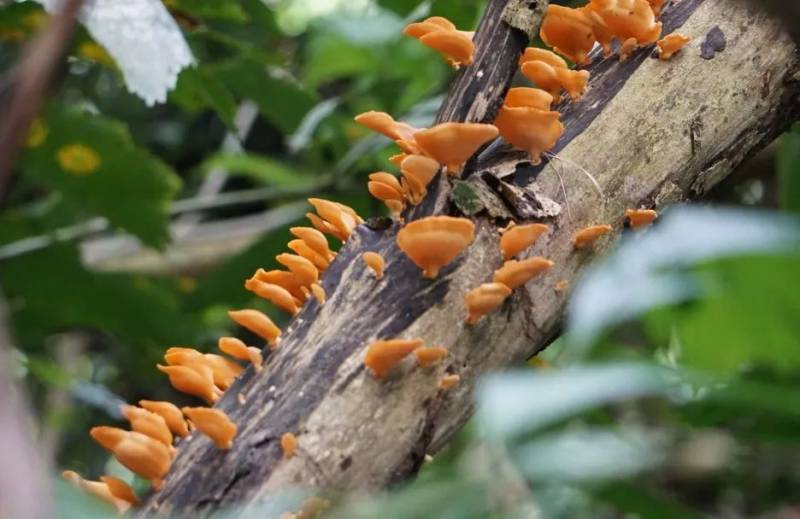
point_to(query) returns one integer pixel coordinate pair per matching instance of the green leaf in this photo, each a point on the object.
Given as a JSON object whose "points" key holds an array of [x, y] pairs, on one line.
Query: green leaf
{"points": [[789, 171], [333, 57], [637, 501], [258, 167], [92, 161], [198, 89], [229, 10]]}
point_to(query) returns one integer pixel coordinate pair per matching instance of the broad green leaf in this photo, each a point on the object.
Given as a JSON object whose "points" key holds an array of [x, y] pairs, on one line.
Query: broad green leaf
{"points": [[258, 167], [92, 161], [332, 57], [214, 9], [198, 88], [636, 500], [789, 171]]}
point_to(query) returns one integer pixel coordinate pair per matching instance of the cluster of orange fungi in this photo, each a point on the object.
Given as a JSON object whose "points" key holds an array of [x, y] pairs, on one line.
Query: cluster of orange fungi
{"points": [[525, 120]]}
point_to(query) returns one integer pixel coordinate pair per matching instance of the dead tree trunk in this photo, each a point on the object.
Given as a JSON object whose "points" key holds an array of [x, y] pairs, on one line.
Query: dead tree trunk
{"points": [[652, 133]]}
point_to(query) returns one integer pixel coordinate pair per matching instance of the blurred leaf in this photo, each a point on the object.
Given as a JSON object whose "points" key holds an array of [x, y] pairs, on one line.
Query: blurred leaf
{"points": [[364, 28], [303, 136], [94, 163], [228, 10], [258, 167], [198, 88], [332, 57], [518, 402], [789, 171], [71, 503], [635, 500]]}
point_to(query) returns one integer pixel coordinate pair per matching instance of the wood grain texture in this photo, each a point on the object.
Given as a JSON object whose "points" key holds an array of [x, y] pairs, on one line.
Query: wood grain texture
{"points": [[659, 133]]}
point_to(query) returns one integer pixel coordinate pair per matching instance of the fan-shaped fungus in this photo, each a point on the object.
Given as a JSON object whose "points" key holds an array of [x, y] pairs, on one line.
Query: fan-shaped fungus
{"points": [[382, 356], [315, 240], [319, 293], [530, 129], [288, 444], [120, 489], [147, 423], [656, 5], [239, 350], [325, 227], [383, 123], [139, 453], [640, 218], [456, 46], [385, 187], [223, 371], [485, 299], [305, 271], [432, 24], [628, 19], [433, 242], [551, 73], [283, 279], [429, 355], [257, 323], [517, 238], [213, 423], [671, 44], [587, 236], [111, 490], [340, 217], [602, 32], [197, 381], [448, 381], [375, 262], [528, 97], [170, 413], [515, 273], [275, 294], [452, 144], [569, 32], [301, 248], [418, 171]]}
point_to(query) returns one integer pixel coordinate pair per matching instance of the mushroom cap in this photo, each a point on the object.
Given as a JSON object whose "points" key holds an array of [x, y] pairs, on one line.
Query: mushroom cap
{"points": [[375, 262], [319, 293], [197, 380], [586, 236], [671, 44], [485, 299], [528, 97], [99, 489], [456, 46], [640, 218], [382, 356], [147, 423], [315, 240], [448, 381], [385, 190], [139, 453], [301, 248], [427, 356], [452, 144], [283, 279], [239, 350], [418, 171], [569, 32], [387, 179], [223, 371], [305, 271], [120, 489], [342, 218], [326, 227], [213, 423], [170, 413], [397, 158], [517, 238], [383, 123], [602, 32], [288, 444], [539, 54], [257, 323], [656, 6], [434, 23], [515, 273], [629, 19], [433, 242], [543, 76], [529, 129], [573, 81], [108, 437]]}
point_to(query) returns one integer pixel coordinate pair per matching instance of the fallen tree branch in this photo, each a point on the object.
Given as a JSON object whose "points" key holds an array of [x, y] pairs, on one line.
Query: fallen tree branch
{"points": [[651, 134]]}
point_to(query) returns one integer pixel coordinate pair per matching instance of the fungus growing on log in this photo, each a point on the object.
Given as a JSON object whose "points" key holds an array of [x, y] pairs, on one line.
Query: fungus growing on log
{"points": [[223, 371], [561, 286], [383, 123], [275, 294], [375, 262], [239, 350], [671, 45], [283, 279], [448, 381], [196, 380], [515, 273], [339, 219], [529, 129], [386, 188], [528, 97], [441, 35], [319, 293], [213, 423], [147, 423], [170, 413], [587, 236], [109, 489], [301, 248], [288, 444], [550, 72], [305, 271], [418, 171], [429, 355], [257, 323], [569, 32], [141, 454], [516, 238], [602, 32], [656, 6], [485, 299], [382, 356], [452, 144], [433, 242], [628, 20], [315, 240]]}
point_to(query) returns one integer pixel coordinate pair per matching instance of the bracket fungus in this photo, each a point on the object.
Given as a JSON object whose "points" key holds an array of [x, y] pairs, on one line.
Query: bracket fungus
{"points": [[223, 371], [141, 454], [628, 20], [550, 73], [670, 45], [430, 355], [257, 323], [441, 35], [335, 218], [147, 423], [569, 32], [656, 6], [418, 171], [197, 381], [529, 129], [213, 423], [515, 273], [382, 356], [301, 248], [452, 144], [283, 279], [485, 299], [528, 97], [305, 271], [239, 350], [374, 261], [448, 381], [315, 240], [516, 238], [386, 188], [275, 294], [170, 413], [288, 444], [588, 235], [640, 218], [435, 241], [109, 489]]}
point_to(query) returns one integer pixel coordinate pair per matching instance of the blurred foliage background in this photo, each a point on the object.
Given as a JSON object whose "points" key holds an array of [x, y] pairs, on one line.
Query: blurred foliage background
{"points": [[131, 228]]}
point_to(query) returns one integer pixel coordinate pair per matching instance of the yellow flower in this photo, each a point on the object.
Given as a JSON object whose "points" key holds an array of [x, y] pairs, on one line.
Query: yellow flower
{"points": [[93, 52], [78, 159], [37, 133]]}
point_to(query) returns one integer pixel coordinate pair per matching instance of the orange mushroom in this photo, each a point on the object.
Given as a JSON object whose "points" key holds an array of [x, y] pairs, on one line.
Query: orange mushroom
{"points": [[569, 32], [515, 273], [452, 144], [223, 371], [530, 129], [551, 73], [341, 218], [109, 489], [433, 242], [315, 240], [456, 46], [319, 293], [170, 413], [561, 286], [432, 24], [528, 97], [301, 248], [517, 238], [448, 381], [656, 5], [602, 32], [283, 279], [382, 356], [259, 324], [196, 380], [671, 44], [631, 21], [640, 218], [375, 262], [275, 294], [587, 236], [429, 355], [326, 227], [305, 271], [141, 454], [385, 186], [383, 123], [239, 350], [148, 423], [213, 423], [485, 299], [418, 171], [288, 444]]}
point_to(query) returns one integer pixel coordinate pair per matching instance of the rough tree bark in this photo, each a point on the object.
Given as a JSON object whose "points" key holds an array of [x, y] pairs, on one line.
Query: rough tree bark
{"points": [[651, 133]]}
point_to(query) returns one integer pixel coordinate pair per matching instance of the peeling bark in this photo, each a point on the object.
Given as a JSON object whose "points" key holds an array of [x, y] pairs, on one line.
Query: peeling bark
{"points": [[652, 133]]}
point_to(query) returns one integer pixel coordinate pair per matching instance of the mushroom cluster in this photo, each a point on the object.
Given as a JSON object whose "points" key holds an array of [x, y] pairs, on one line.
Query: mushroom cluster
{"points": [[383, 356]]}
